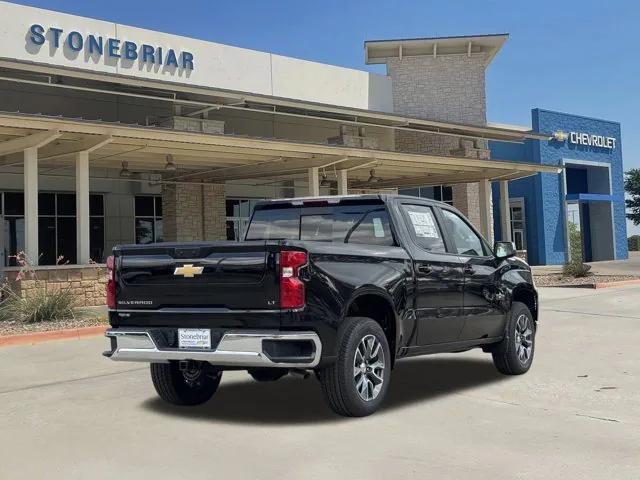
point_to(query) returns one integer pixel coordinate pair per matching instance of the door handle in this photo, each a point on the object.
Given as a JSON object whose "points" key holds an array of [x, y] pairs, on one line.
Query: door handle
{"points": [[467, 269], [425, 269]]}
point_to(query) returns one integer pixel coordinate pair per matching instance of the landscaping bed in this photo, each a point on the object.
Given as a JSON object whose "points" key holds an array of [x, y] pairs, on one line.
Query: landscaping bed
{"points": [[18, 328], [558, 280]]}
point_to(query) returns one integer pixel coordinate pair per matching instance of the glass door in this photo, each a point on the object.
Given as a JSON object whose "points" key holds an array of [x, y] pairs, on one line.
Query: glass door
{"points": [[518, 227]]}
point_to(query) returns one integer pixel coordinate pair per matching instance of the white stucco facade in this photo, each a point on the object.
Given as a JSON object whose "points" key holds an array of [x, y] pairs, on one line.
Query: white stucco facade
{"points": [[214, 65]]}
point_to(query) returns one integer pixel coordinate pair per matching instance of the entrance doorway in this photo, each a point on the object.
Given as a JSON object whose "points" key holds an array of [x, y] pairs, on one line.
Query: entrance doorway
{"points": [[589, 209]]}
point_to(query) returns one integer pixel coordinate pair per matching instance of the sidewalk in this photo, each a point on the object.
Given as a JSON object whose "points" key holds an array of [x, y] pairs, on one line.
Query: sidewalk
{"points": [[631, 266]]}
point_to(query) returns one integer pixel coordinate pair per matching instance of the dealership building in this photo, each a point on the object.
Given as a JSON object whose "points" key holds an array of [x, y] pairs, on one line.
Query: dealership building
{"points": [[113, 134]]}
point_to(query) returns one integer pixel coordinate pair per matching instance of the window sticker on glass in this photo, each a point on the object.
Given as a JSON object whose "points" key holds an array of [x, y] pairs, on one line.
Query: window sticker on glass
{"points": [[423, 224], [378, 229]]}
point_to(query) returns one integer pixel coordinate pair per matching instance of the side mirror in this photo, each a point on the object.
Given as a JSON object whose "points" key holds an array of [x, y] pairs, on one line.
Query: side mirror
{"points": [[504, 250]]}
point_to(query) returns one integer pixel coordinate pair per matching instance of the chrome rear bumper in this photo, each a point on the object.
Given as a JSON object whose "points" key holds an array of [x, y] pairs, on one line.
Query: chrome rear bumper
{"points": [[240, 348]]}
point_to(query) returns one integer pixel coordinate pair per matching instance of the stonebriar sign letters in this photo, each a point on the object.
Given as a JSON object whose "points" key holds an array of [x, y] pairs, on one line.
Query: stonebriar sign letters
{"points": [[113, 48]]}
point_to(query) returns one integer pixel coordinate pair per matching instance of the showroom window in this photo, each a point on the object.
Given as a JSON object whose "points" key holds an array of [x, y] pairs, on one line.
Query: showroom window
{"points": [[441, 193], [148, 218], [238, 215], [56, 227]]}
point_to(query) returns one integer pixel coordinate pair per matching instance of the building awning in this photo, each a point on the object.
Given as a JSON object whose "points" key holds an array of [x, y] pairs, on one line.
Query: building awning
{"points": [[380, 51], [197, 100], [219, 158]]}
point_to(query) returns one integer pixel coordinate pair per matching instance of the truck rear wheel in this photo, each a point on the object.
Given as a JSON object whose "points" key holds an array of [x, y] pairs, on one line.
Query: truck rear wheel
{"points": [[192, 385], [356, 384], [514, 354]]}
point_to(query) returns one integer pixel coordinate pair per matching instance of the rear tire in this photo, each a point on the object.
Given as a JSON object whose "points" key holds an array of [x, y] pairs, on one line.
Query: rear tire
{"points": [[356, 384], [514, 354], [185, 387], [267, 374]]}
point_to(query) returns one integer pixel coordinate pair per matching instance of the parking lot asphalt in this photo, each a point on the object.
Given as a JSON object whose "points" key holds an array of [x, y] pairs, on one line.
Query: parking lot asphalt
{"points": [[68, 413]]}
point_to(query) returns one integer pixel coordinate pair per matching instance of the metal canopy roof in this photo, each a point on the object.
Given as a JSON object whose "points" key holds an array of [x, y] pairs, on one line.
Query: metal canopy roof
{"points": [[219, 158], [199, 99]]}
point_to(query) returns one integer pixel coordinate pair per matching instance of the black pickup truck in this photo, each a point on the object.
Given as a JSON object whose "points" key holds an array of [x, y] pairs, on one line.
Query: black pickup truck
{"points": [[344, 286]]}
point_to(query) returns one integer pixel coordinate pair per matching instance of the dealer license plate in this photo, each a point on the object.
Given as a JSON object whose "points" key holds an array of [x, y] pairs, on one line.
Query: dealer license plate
{"points": [[194, 338]]}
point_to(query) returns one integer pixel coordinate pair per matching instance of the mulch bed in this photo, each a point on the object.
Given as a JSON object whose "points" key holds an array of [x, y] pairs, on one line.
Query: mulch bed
{"points": [[17, 328], [556, 280]]}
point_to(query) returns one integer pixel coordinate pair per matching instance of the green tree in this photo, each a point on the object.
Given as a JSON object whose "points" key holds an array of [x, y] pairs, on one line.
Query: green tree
{"points": [[632, 187]]}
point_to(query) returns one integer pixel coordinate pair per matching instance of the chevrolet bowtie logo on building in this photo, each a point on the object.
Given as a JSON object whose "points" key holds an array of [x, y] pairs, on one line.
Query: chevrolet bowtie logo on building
{"points": [[560, 136], [188, 271]]}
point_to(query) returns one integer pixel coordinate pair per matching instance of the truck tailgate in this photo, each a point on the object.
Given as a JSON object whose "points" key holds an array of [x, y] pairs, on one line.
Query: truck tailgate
{"points": [[214, 275]]}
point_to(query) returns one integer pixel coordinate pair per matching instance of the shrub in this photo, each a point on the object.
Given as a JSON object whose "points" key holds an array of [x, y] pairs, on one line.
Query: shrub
{"points": [[575, 266], [576, 269], [38, 306], [634, 243]]}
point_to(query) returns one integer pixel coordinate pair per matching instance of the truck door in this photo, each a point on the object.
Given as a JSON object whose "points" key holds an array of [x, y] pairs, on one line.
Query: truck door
{"points": [[438, 276], [483, 313]]}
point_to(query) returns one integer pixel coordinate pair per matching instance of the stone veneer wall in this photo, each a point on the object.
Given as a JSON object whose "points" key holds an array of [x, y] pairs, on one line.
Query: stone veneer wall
{"points": [[87, 283], [449, 88], [193, 212]]}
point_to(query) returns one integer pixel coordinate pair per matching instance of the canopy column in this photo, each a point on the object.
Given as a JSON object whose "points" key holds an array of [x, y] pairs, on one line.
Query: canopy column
{"points": [[31, 248], [485, 210], [505, 211], [314, 181], [342, 182], [82, 207]]}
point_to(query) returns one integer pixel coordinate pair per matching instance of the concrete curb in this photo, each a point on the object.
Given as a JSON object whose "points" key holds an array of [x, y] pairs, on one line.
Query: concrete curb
{"points": [[40, 337], [593, 286]]}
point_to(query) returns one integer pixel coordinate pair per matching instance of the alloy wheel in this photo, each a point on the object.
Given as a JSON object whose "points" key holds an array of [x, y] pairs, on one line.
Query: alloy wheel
{"points": [[368, 368], [524, 339]]}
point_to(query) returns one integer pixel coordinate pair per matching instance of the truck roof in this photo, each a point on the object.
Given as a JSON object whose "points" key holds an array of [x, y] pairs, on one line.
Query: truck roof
{"points": [[336, 199]]}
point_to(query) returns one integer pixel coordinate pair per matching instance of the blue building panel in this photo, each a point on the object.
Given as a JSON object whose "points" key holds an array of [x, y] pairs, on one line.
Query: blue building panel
{"points": [[592, 153]]}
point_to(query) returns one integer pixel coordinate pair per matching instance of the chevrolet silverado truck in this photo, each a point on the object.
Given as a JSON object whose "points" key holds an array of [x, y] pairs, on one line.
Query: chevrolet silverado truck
{"points": [[342, 286]]}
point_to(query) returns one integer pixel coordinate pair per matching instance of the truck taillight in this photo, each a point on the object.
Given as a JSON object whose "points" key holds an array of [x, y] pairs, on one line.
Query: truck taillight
{"points": [[111, 282], [291, 287]]}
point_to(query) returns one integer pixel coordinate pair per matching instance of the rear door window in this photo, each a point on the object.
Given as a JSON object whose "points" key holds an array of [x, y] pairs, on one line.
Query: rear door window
{"points": [[424, 228]]}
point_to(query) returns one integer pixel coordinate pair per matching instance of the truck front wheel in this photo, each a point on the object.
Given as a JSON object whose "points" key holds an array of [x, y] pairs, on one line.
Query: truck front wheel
{"points": [[193, 384], [514, 354], [356, 384]]}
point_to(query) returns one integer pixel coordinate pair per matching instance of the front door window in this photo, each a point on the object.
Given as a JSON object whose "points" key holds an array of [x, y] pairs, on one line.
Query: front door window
{"points": [[465, 240]]}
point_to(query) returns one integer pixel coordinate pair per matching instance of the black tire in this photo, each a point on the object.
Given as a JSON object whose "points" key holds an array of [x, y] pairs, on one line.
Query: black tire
{"points": [[338, 381], [267, 374], [508, 356], [191, 387]]}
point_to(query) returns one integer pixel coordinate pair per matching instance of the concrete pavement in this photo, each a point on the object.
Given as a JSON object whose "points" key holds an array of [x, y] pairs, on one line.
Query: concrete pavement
{"points": [[65, 412], [630, 266]]}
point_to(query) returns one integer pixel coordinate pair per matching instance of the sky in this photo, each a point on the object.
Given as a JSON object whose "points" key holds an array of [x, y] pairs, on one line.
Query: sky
{"points": [[579, 57]]}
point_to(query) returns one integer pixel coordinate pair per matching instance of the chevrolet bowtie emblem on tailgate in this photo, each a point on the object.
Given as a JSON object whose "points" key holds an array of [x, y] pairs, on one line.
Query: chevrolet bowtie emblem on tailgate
{"points": [[188, 271]]}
